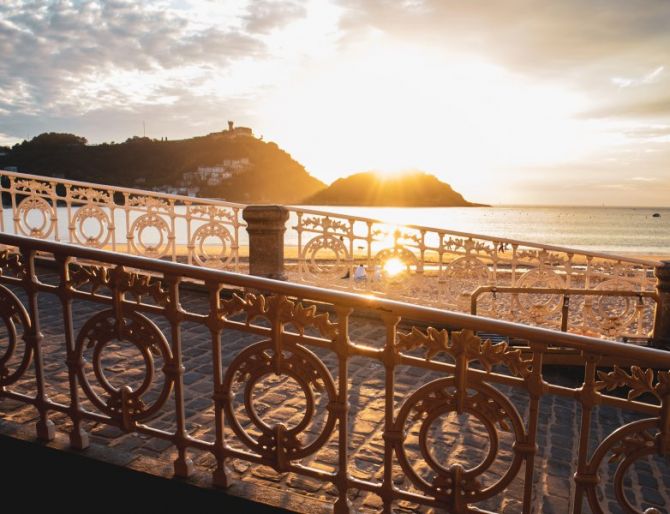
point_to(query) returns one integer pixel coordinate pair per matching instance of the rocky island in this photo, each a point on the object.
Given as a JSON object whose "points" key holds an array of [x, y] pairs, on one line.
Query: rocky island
{"points": [[410, 189]]}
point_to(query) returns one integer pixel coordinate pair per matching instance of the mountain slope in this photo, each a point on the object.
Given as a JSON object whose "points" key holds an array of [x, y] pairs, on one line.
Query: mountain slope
{"points": [[272, 176]]}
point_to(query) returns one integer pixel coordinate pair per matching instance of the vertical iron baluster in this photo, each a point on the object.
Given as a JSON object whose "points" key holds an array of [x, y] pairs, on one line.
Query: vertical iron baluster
{"points": [[589, 398], [183, 465], [342, 505], [390, 437], [172, 236], [535, 388], [45, 427], [219, 475], [78, 436], [189, 233]]}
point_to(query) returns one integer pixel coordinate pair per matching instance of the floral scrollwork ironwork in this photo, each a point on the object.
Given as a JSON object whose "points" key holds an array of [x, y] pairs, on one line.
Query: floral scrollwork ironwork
{"points": [[90, 194], [286, 311], [135, 284], [640, 381], [12, 261], [325, 225], [465, 342]]}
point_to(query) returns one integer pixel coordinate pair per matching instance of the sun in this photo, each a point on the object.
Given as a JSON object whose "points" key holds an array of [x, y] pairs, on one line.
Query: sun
{"points": [[394, 266], [393, 107]]}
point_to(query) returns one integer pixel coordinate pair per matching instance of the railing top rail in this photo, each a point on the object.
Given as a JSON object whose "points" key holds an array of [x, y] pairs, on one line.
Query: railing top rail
{"points": [[569, 291], [409, 311], [121, 189], [553, 248]]}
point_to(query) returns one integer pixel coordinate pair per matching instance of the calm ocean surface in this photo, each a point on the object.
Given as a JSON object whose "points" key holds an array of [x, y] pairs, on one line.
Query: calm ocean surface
{"points": [[629, 231], [621, 230]]}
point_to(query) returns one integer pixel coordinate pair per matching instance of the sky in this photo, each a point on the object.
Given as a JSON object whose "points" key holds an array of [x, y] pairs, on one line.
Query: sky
{"points": [[512, 102]]}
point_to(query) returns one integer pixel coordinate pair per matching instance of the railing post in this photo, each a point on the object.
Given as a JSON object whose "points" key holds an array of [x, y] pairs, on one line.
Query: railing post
{"points": [[266, 225], [662, 317]]}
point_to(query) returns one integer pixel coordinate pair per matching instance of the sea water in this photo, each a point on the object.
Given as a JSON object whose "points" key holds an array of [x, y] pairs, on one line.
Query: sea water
{"points": [[617, 230]]}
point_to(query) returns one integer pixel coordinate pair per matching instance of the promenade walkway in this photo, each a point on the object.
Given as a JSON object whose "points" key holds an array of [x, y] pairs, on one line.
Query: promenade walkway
{"points": [[463, 440]]}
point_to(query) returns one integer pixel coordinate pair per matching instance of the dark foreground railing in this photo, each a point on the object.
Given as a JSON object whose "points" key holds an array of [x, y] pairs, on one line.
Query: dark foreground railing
{"points": [[106, 303]]}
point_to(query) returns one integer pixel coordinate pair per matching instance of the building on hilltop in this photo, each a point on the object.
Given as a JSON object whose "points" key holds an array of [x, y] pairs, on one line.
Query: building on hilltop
{"points": [[215, 175], [234, 131]]}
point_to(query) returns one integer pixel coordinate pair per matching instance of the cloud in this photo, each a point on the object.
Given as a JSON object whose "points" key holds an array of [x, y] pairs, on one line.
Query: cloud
{"points": [[263, 16], [648, 132], [63, 56], [638, 108], [594, 47], [649, 78], [529, 33]]}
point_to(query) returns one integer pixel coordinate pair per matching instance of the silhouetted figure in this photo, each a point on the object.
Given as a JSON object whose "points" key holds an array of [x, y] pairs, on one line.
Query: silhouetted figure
{"points": [[360, 274]]}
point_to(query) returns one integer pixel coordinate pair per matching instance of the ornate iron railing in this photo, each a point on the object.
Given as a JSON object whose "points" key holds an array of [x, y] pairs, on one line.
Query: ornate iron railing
{"points": [[198, 231], [443, 268], [436, 374], [429, 266]]}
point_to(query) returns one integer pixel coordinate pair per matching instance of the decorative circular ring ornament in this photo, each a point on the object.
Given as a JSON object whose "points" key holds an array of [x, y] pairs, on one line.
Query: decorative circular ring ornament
{"points": [[255, 363], [338, 253], [43, 228], [137, 230], [487, 405], [541, 305], [202, 251], [96, 334], [463, 276], [622, 308], [101, 236], [628, 444], [17, 323]]}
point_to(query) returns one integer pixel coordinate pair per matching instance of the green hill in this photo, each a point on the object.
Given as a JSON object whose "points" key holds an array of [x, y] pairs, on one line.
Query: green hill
{"points": [[272, 175], [412, 189]]}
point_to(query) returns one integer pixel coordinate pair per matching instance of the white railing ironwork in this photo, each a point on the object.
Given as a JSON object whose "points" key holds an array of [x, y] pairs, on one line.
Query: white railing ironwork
{"points": [[444, 268], [180, 228]]}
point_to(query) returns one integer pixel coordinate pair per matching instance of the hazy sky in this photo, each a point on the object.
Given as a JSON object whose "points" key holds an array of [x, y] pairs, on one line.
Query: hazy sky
{"points": [[516, 101]]}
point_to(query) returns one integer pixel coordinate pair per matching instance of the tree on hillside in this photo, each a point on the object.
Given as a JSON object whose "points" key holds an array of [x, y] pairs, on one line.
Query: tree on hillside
{"points": [[57, 139]]}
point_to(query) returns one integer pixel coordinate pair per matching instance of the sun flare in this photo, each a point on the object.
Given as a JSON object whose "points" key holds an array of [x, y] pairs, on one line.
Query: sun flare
{"points": [[458, 117], [394, 267]]}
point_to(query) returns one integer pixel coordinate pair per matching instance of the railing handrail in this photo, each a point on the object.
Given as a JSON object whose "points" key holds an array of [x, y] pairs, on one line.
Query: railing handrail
{"points": [[570, 291], [121, 189], [518, 242], [416, 312]]}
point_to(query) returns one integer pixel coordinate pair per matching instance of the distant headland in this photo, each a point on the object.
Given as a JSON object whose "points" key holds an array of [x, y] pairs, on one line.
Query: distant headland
{"points": [[409, 189], [232, 164]]}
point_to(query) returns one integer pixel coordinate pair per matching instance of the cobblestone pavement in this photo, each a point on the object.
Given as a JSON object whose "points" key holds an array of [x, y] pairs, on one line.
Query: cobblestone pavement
{"points": [[458, 439]]}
